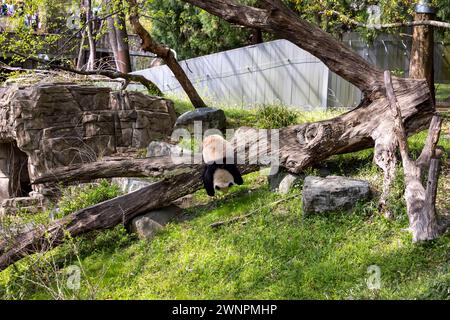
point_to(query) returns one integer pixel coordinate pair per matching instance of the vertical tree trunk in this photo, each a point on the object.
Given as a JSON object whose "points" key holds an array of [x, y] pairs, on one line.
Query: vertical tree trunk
{"points": [[422, 52], [81, 58], [256, 36], [123, 49], [90, 35], [118, 39], [112, 37], [420, 198]]}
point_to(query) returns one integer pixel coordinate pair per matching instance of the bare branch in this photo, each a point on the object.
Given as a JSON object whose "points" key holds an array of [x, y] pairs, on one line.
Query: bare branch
{"points": [[428, 151], [115, 167], [151, 87], [399, 128], [351, 21]]}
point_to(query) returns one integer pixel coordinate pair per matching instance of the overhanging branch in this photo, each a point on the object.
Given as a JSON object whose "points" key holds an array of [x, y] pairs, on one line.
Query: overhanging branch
{"points": [[277, 19]]}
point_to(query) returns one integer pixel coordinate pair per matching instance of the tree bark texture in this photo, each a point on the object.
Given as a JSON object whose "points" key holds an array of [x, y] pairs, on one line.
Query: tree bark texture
{"points": [[118, 39]]}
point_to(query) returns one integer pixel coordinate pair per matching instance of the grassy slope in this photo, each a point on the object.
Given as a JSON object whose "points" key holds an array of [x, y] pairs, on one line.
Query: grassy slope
{"points": [[276, 254]]}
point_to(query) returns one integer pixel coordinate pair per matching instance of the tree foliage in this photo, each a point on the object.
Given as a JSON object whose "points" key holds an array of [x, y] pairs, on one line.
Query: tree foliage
{"points": [[323, 13], [191, 31]]}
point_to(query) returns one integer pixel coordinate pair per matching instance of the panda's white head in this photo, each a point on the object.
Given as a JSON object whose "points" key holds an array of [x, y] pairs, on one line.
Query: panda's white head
{"points": [[222, 180]]}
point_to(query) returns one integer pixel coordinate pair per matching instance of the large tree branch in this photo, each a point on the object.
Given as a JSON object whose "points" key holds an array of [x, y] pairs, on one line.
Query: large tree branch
{"points": [[115, 167], [283, 23]]}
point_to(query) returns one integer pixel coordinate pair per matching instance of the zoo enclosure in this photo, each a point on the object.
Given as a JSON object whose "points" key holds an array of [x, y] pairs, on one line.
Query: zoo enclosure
{"points": [[280, 72]]}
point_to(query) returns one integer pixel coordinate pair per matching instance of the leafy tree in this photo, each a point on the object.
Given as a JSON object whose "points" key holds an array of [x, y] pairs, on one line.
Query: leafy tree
{"points": [[337, 16], [191, 31]]}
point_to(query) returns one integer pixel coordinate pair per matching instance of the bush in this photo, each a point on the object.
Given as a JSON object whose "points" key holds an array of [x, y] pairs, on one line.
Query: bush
{"points": [[275, 116], [79, 197]]}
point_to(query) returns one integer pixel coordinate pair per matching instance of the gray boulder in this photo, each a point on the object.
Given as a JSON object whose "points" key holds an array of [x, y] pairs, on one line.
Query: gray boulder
{"points": [[128, 185], [160, 148], [332, 193], [147, 225], [282, 182], [210, 118]]}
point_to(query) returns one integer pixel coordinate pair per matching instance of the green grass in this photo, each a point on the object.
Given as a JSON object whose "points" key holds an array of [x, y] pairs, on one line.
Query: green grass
{"points": [[265, 116], [76, 197], [442, 91], [276, 254]]}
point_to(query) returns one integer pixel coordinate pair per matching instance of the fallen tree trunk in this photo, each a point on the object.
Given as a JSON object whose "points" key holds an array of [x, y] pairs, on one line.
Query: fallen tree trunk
{"points": [[121, 167]]}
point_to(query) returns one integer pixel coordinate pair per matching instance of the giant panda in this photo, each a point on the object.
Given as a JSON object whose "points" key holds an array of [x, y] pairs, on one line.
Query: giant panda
{"points": [[218, 174]]}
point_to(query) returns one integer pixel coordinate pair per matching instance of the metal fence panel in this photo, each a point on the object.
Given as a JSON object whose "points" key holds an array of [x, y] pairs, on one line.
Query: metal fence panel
{"points": [[280, 72], [267, 73]]}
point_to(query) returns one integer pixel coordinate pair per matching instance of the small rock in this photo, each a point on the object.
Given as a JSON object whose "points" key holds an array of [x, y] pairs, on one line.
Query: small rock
{"points": [[332, 193], [160, 148], [282, 182], [210, 118], [128, 185], [35, 194], [145, 228], [147, 225], [184, 202]]}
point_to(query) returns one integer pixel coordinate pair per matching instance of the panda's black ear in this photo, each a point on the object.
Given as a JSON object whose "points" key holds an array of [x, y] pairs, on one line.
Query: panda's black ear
{"points": [[234, 171], [208, 181]]}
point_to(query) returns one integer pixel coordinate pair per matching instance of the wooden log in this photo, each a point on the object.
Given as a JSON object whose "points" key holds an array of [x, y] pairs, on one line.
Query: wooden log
{"points": [[420, 202], [148, 167]]}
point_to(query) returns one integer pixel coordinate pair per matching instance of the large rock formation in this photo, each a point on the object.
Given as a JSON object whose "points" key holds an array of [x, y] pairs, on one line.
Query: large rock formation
{"points": [[62, 124]]}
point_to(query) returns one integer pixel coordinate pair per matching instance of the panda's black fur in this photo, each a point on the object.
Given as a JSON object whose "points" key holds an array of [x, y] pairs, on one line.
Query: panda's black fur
{"points": [[219, 174], [208, 176]]}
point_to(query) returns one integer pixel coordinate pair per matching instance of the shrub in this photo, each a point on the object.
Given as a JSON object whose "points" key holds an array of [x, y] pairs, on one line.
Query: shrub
{"points": [[79, 197], [275, 116]]}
